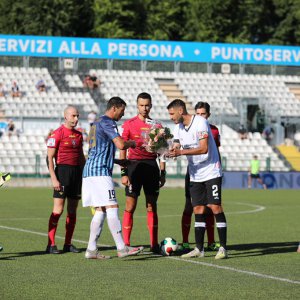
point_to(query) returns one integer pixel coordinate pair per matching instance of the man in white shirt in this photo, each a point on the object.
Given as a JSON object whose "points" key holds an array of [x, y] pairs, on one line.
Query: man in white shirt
{"points": [[193, 138]]}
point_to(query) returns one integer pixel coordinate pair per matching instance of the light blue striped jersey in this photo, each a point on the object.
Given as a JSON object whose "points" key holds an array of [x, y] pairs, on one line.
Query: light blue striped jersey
{"points": [[102, 149]]}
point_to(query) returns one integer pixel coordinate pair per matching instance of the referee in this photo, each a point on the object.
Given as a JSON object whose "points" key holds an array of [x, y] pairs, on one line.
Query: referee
{"points": [[65, 151], [143, 171]]}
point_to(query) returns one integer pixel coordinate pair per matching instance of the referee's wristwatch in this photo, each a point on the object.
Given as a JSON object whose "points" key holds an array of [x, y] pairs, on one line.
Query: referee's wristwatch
{"points": [[163, 172]]}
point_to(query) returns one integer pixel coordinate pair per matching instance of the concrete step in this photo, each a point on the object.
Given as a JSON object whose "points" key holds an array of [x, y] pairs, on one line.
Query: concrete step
{"points": [[169, 87], [174, 93]]}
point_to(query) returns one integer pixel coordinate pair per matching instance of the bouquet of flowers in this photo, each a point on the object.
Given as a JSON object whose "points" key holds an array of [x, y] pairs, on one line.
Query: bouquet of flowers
{"points": [[157, 139]]}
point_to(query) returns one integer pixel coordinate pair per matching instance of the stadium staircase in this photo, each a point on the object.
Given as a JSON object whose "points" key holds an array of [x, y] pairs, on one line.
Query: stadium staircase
{"points": [[295, 89], [172, 91], [291, 154]]}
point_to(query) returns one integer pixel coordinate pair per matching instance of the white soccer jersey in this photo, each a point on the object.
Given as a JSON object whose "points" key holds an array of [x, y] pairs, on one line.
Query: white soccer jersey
{"points": [[202, 167]]}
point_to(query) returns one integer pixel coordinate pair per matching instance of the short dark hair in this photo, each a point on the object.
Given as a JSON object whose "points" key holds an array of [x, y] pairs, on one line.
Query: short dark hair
{"points": [[202, 104], [115, 101], [177, 103], [144, 95]]}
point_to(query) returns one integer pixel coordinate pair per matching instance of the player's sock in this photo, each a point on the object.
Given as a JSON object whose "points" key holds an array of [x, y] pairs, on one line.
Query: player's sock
{"points": [[200, 230], [52, 226], [115, 227], [95, 229], [222, 228], [70, 226], [210, 228], [152, 221], [186, 220], [127, 226]]}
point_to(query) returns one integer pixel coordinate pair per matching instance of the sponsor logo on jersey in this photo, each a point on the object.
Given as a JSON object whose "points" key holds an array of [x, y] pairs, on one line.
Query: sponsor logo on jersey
{"points": [[51, 142], [72, 136]]}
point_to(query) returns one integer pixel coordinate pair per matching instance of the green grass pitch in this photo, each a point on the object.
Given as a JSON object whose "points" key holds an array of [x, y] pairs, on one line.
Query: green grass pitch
{"points": [[263, 234]]}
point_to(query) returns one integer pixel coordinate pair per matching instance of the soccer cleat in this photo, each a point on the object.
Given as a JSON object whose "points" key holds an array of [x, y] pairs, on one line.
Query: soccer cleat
{"points": [[4, 177], [213, 246], [71, 248], [194, 253], [128, 251], [52, 250], [155, 249], [95, 254], [222, 253], [1, 248]]}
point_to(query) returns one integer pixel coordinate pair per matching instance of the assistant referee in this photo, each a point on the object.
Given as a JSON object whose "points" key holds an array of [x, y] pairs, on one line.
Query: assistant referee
{"points": [[65, 151]]}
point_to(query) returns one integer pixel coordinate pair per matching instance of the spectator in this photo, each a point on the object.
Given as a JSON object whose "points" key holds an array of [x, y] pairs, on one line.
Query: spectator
{"points": [[95, 82], [86, 81], [15, 91], [91, 81], [92, 117], [268, 133], [11, 127], [3, 126], [2, 90], [243, 134], [41, 85]]}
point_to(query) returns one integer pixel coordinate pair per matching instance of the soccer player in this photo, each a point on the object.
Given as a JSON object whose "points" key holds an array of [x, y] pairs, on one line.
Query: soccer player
{"points": [[65, 151], [142, 172], [97, 187], [193, 138], [254, 172], [201, 109]]}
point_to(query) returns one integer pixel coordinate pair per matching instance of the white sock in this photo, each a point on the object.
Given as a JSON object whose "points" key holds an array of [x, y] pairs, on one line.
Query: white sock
{"points": [[95, 229], [115, 227]]}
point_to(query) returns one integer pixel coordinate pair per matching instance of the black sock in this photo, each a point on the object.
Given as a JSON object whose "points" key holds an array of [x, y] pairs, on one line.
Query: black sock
{"points": [[200, 223], [222, 228]]}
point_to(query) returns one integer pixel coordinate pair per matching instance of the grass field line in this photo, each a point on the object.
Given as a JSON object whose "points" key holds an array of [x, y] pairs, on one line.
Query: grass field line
{"points": [[174, 258], [236, 270], [258, 208], [45, 234]]}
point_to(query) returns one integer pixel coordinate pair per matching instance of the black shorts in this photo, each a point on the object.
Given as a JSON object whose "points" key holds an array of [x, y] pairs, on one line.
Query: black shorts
{"points": [[255, 175], [70, 178], [143, 173], [207, 192]]}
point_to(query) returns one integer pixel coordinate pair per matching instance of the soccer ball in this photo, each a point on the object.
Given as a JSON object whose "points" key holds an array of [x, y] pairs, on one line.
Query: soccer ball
{"points": [[168, 246]]}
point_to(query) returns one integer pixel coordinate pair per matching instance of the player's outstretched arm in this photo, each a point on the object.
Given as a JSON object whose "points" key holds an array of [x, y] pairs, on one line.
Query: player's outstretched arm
{"points": [[123, 145]]}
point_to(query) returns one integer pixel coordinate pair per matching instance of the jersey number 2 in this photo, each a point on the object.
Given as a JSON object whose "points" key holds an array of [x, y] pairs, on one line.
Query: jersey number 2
{"points": [[215, 190]]}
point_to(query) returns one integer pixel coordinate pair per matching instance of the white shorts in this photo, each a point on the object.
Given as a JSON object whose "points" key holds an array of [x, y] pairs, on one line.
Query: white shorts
{"points": [[98, 191]]}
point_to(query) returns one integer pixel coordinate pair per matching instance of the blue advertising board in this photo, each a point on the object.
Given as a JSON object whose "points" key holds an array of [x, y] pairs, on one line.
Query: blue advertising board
{"points": [[96, 48], [273, 180]]}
